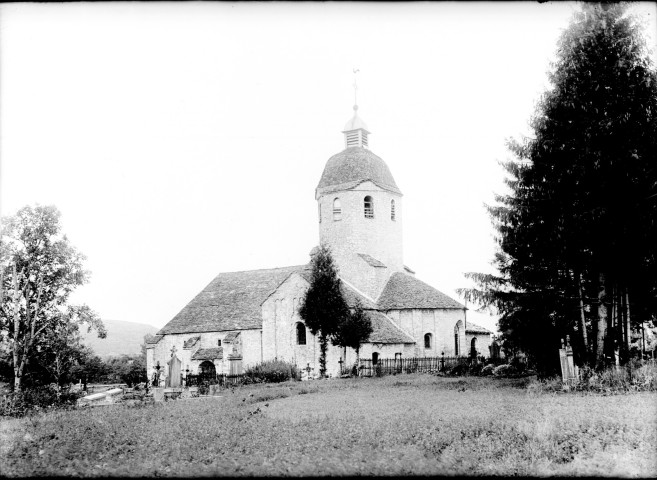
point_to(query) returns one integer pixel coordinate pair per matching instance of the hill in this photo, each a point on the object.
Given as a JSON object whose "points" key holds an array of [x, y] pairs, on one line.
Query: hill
{"points": [[123, 338]]}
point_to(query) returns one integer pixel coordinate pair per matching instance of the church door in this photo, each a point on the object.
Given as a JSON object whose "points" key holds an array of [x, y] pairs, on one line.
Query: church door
{"points": [[207, 370]]}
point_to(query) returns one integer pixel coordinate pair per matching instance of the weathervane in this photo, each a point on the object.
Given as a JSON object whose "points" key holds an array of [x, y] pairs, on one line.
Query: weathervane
{"points": [[356, 70]]}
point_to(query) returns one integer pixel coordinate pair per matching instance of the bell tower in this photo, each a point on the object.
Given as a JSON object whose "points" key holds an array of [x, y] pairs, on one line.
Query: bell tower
{"points": [[360, 213]]}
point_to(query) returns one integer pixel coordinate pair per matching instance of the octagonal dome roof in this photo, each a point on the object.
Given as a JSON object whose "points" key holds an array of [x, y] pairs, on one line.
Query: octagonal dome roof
{"points": [[352, 166]]}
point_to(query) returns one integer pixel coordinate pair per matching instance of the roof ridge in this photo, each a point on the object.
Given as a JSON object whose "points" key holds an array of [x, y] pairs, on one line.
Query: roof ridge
{"points": [[357, 291], [262, 269]]}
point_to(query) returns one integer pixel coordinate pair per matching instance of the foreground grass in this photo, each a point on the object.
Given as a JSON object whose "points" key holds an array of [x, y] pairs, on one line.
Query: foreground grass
{"points": [[390, 426]]}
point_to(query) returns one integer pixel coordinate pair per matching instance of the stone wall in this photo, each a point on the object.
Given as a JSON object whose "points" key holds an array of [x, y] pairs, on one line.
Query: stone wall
{"points": [[484, 340], [380, 237], [251, 347], [439, 323], [280, 313]]}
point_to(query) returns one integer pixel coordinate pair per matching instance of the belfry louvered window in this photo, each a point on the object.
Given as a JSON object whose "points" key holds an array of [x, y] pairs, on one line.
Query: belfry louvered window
{"points": [[337, 210], [352, 139], [369, 207], [392, 209]]}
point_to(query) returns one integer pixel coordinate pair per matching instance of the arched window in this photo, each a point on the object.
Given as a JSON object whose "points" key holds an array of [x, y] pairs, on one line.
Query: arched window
{"points": [[218, 343], [392, 210], [301, 334], [473, 347], [456, 340], [427, 340], [369, 207], [337, 210], [375, 358]]}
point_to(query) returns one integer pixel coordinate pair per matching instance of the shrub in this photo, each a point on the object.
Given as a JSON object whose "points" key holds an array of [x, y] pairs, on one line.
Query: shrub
{"points": [[475, 369], [634, 376], [35, 399], [488, 369], [272, 371], [505, 370]]}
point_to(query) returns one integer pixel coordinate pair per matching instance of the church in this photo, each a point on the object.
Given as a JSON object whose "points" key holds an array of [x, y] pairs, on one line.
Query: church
{"points": [[244, 318]]}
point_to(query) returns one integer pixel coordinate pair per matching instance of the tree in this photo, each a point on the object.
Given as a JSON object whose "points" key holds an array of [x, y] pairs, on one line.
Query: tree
{"points": [[323, 307], [39, 270], [129, 369], [577, 236], [354, 330], [90, 369]]}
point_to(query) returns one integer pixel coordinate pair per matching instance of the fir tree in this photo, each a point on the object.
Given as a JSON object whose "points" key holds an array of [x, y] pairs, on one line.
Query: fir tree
{"points": [[323, 308]]}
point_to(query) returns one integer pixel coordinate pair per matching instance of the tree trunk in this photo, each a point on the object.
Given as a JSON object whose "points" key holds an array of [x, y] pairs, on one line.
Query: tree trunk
{"points": [[17, 322], [585, 337], [628, 328], [622, 331], [323, 347], [601, 322]]}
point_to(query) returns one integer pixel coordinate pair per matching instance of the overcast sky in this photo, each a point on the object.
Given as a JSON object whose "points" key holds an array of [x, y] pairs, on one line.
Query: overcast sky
{"points": [[181, 140]]}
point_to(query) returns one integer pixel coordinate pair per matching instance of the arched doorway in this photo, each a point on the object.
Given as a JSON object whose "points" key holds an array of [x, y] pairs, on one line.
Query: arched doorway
{"points": [[207, 369], [473, 347]]}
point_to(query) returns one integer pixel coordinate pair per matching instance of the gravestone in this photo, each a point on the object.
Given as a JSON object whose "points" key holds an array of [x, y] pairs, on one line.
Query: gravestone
{"points": [[569, 372], [158, 394], [173, 377]]}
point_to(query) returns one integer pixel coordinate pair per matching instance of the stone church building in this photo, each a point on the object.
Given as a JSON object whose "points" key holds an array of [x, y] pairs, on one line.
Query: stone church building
{"points": [[243, 318]]}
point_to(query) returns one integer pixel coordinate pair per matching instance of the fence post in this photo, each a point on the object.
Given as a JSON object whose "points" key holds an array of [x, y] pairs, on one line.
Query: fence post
{"points": [[442, 362]]}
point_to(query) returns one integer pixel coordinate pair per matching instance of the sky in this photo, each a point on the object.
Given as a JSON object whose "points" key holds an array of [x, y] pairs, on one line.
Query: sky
{"points": [[181, 140]]}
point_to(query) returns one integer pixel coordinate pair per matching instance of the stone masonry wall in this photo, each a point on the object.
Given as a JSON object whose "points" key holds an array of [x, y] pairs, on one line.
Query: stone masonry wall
{"points": [[438, 322], [379, 237], [482, 343], [251, 350]]}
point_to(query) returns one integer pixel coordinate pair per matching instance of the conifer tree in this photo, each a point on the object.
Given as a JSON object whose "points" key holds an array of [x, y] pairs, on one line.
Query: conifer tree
{"points": [[323, 307], [577, 235], [354, 330]]}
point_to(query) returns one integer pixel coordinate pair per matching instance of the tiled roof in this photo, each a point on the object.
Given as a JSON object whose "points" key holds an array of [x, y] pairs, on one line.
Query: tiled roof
{"points": [[372, 261], [190, 342], [230, 302], [474, 328], [208, 354], [154, 340], [350, 295], [231, 337], [404, 291], [384, 331], [353, 166]]}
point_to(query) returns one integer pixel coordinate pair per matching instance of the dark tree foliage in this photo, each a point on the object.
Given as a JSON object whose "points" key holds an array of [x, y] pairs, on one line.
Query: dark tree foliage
{"points": [[354, 330], [577, 235], [323, 307]]}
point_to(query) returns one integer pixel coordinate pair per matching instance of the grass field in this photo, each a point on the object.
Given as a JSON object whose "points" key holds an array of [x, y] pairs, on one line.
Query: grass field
{"points": [[400, 425]]}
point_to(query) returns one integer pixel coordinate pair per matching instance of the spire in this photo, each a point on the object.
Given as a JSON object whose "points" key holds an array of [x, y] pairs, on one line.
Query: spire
{"points": [[355, 131]]}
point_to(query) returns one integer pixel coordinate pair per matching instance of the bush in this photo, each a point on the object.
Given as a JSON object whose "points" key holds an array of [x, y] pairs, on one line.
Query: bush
{"points": [[635, 376], [505, 370], [36, 399], [475, 368], [272, 371], [488, 369]]}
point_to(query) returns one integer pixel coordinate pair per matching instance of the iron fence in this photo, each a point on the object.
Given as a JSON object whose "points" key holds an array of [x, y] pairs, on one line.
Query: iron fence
{"points": [[392, 366], [213, 379]]}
